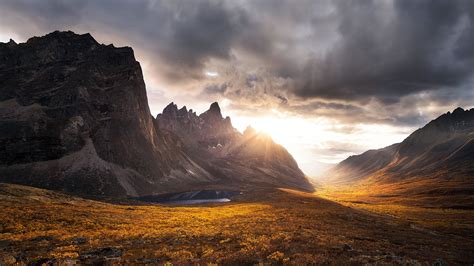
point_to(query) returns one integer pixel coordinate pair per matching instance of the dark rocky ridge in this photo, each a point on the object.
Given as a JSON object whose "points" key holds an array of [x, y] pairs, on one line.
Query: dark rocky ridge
{"points": [[249, 158], [74, 117], [207, 129], [442, 148]]}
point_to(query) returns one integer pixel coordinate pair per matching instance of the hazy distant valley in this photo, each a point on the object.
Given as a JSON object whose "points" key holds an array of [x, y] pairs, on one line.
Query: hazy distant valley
{"points": [[432, 167]]}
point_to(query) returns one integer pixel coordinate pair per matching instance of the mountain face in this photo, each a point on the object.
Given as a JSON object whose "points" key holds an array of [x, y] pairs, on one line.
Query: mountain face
{"points": [[74, 116], [442, 151], [248, 158], [358, 166]]}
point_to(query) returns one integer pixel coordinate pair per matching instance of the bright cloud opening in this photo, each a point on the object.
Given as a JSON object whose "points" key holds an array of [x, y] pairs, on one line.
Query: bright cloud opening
{"points": [[211, 74]]}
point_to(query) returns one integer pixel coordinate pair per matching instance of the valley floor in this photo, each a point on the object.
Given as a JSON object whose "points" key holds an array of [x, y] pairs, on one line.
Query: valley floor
{"points": [[450, 214], [261, 226]]}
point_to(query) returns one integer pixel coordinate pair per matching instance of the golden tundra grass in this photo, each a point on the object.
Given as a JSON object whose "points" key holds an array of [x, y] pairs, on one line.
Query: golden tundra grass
{"points": [[261, 227]]}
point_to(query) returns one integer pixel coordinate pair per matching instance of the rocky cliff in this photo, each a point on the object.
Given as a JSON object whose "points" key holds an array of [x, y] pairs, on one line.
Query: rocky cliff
{"points": [[74, 116]]}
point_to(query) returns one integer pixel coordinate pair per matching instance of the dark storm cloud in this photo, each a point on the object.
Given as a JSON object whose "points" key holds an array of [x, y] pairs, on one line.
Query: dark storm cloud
{"points": [[52, 12], [354, 53], [387, 51], [202, 30], [346, 113], [251, 80], [216, 88]]}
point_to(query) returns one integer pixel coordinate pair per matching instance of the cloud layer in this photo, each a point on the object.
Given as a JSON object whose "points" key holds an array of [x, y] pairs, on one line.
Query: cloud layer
{"points": [[354, 50]]}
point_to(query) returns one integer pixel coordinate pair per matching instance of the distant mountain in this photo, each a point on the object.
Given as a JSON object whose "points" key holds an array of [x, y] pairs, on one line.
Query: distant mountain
{"points": [[359, 166], [248, 158], [440, 156], [74, 116]]}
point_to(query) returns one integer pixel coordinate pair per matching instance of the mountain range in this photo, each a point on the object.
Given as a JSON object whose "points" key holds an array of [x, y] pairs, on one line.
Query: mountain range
{"points": [[248, 158], [434, 162], [74, 117]]}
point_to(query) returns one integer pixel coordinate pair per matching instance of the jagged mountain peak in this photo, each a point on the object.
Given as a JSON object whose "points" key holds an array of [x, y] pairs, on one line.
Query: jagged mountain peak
{"points": [[64, 35], [10, 43], [249, 131], [458, 114], [61, 47], [207, 125], [61, 38], [183, 110], [171, 108], [215, 107], [458, 110], [213, 113]]}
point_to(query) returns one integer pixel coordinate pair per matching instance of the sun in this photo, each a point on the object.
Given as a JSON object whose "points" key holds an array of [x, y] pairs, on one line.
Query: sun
{"points": [[273, 127], [284, 130]]}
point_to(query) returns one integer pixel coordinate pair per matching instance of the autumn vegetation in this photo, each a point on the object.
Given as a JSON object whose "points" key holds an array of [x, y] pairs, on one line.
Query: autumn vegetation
{"points": [[267, 227]]}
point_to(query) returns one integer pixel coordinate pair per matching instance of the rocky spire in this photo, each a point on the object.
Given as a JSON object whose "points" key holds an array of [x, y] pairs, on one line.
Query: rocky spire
{"points": [[215, 108], [249, 131], [11, 43], [183, 111], [458, 110], [213, 114], [171, 108]]}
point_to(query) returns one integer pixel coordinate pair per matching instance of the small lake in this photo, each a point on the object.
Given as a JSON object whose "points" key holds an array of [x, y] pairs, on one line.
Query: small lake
{"points": [[192, 197], [199, 201]]}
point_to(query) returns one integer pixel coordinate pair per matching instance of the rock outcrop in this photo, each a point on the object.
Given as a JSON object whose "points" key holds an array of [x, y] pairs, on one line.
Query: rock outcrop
{"points": [[209, 129]]}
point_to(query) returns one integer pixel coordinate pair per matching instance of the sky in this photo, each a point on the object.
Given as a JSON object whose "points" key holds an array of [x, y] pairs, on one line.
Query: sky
{"points": [[326, 79]]}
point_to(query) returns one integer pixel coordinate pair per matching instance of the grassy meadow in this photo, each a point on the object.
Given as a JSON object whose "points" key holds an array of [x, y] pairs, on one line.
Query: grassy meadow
{"points": [[266, 227]]}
